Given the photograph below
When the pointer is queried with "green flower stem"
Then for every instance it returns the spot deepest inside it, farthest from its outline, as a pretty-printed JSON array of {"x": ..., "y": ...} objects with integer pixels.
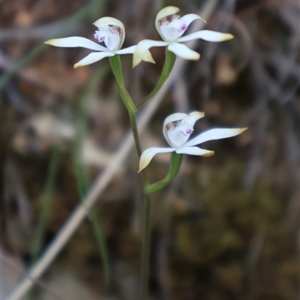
[
  {"x": 173, "y": 170},
  {"x": 149, "y": 189},
  {"x": 147, "y": 218},
  {"x": 135, "y": 134},
  {"x": 167, "y": 68},
  {"x": 116, "y": 67},
  {"x": 129, "y": 104},
  {"x": 146, "y": 248}
]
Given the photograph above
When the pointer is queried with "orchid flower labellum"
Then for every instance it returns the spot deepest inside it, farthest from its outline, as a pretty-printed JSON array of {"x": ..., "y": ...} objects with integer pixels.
[
  {"x": 177, "y": 129},
  {"x": 171, "y": 27},
  {"x": 110, "y": 33}
]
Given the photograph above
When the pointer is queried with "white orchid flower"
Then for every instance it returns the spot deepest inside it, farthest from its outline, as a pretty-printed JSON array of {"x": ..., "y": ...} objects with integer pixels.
[
  {"x": 111, "y": 32},
  {"x": 177, "y": 129},
  {"x": 171, "y": 28}
]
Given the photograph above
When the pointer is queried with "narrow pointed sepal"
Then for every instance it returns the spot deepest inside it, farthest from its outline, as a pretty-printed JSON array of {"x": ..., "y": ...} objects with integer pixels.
[
  {"x": 183, "y": 51},
  {"x": 75, "y": 41},
  {"x": 207, "y": 35},
  {"x": 189, "y": 18},
  {"x": 93, "y": 57},
  {"x": 128, "y": 50},
  {"x": 214, "y": 134},
  {"x": 142, "y": 51},
  {"x": 195, "y": 151},
  {"x": 149, "y": 153}
]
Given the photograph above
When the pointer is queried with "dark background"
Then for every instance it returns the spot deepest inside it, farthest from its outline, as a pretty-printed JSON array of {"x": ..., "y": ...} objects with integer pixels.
[{"x": 227, "y": 227}]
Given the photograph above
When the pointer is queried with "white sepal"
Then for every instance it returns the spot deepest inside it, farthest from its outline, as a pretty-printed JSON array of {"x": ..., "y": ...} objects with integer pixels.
[
  {"x": 149, "y": 153},
  {"x": 129, "y": 50},
  {"x": 75, "y": 41},
  {"x": 214, "y": 134},
  {"x": 207, "y": 35},
  {"x": 142, "y": 51},
  {"x": 92, "y": 57},
  {"x": 194, "y": 151},
  {"x": 183, "y": 51}
]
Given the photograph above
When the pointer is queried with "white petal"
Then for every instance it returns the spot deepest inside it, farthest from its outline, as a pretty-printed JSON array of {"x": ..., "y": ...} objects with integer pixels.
[
  {"x": 165, "y": 12},
  {"x": 189, "y": 18},
  {"x": 75, "y": 41},
  {"x": 174, "y": 117},
  {"x": 169, "y": 119},
  {"x": 178, "y": 127},
  {"x": 171, "y": 31},
  {"x": 178, "y": 134},
  {"x": 112, "y": 21},
  {"x": 214, "y": 134},
  {"x": 129, "y": 50},
  {"x": 113, "y": 41},
  {"x": 194, "y": 151},
  {"x": 142, "y": 51},
  {"x": 207, "y": 35},
  {"x": 183, "y": 51},
  {"x": 93, "y": 57},
  {"x": 193, "y": 117},
  {"x": 109, "y": 21},
  {"x": 148, "y": 154}
]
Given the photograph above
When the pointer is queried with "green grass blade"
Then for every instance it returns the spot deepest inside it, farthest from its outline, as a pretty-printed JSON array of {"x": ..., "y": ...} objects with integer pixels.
[
  {"x": 81, "y": 173},
  {"x": 46, "y": 203}
]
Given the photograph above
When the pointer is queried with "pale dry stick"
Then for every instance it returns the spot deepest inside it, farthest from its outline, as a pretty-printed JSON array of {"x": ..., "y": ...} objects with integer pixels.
[
  {"x": 15, "y": 266},
  {"x": 104, "y": 178}
]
